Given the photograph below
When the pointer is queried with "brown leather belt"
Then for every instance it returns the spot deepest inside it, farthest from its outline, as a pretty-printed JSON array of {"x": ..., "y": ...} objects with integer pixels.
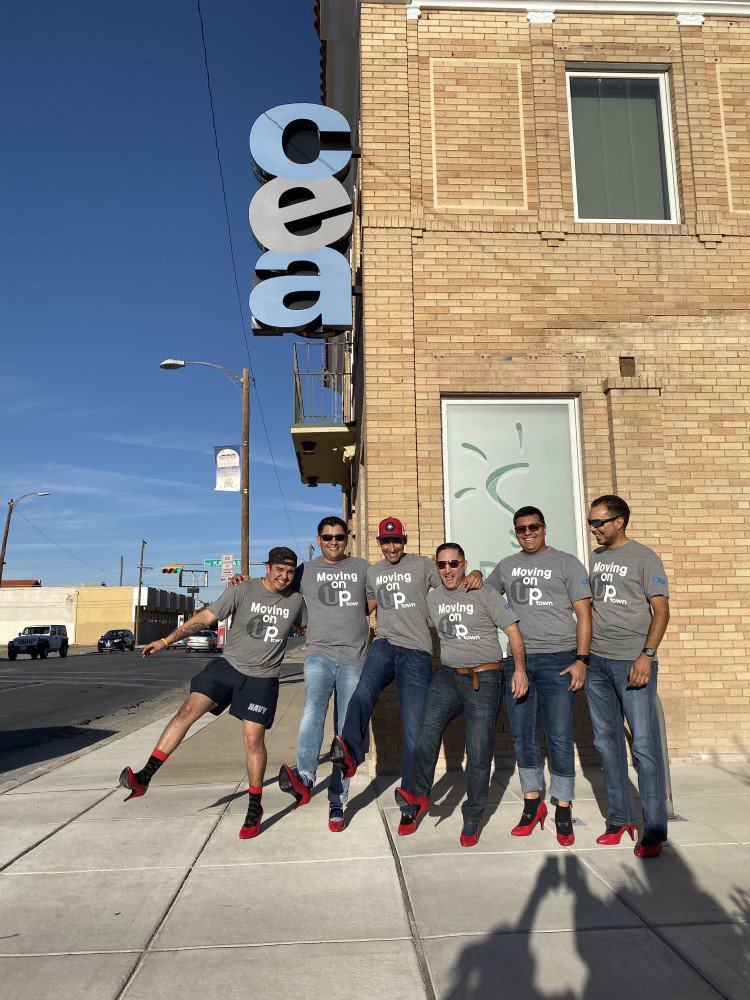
[{"x": 473, "y": 671}]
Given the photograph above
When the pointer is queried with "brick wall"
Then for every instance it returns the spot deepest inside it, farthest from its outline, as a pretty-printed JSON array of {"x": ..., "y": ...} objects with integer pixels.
[{"x": 471, "y": 254}]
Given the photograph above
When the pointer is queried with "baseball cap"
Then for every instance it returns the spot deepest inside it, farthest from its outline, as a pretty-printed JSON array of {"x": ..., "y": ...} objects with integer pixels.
[
  {"x": 282, "y": 555},
  {"x": 391, "y": 527}
]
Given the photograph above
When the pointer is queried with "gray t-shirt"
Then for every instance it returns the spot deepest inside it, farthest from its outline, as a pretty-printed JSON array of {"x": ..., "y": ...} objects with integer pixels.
[
  {"x": 467, "y": 624},
  {"x": 336, "y": 602},
  {"x": 260, "y": 627},
  {"x": 541, "y": 589},
  {"x": 622, "y": 581},
  {"x": 401, "y": 593}
]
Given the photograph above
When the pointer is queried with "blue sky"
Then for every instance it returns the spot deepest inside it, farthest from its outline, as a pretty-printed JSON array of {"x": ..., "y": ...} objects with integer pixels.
[{"x": 115, "y": 256}]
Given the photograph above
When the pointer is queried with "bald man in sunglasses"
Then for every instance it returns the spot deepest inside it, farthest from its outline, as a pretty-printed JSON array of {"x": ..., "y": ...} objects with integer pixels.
[{"x": 469, "y": 682}]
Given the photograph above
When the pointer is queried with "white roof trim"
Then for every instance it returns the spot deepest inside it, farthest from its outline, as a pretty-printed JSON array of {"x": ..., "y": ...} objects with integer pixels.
[{"x": 716, "y": 8}]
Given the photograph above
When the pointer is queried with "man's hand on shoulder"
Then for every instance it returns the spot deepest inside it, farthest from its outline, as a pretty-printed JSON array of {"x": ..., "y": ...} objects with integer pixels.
[
  {"x": 237, "y": 579},
  {"x": 473, "y": 580}
]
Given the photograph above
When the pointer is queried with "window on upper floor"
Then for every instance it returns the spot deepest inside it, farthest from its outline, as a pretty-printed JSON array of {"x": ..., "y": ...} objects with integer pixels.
[{"x": 621, "y": 147}]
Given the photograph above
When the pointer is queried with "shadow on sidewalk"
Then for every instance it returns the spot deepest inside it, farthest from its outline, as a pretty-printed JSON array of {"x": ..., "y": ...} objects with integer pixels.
[
  {"x": 594, "y": 961},
  {"x": 21, "y": 747}
]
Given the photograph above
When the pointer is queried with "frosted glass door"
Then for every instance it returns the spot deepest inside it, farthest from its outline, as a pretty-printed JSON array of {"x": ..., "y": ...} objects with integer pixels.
[{"x": 503, "y": 454}]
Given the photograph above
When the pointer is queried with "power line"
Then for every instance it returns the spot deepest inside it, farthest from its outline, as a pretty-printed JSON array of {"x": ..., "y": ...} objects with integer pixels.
[
  {"x": 101, "y": 570},
  {"x": 236, "y": 280}
]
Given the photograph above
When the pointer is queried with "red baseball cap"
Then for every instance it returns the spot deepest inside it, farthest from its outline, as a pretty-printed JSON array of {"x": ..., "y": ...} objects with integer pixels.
[{"x": 390, "y": 527}]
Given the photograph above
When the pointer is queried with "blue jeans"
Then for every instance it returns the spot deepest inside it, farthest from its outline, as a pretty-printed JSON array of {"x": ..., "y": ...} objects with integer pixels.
[
  {"x": 449, "y": 695},
  {"x": 411, "y": 669},
  {"x": 610, "y": 699},
  {"x": 324, "y": 677},
  {"x": 548, "y": 697}
]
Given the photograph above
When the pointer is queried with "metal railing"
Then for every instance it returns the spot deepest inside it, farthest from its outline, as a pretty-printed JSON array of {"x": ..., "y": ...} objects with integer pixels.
[{"x": 322, "y": 382}]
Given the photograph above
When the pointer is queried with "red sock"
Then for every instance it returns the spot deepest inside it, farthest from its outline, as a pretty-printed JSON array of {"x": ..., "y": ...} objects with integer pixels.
[
  {"x": 159, "y": 754},
  {"x": 255, "y": 790}
]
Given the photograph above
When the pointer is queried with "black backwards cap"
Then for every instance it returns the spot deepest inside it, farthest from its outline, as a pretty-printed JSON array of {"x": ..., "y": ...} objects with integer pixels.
[{"x": 282, "y": 555}]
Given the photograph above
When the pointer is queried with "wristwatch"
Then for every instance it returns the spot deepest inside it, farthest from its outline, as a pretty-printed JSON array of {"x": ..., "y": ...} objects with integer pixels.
[
  {"x": 649, "y": 652},
  {"x": 583, "y": 657}
]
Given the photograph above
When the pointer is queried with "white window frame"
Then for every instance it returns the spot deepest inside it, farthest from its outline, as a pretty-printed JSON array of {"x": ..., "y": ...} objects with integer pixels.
[
  {"x": 574, "y": 426},
  {"x": 668, "y": 134}
]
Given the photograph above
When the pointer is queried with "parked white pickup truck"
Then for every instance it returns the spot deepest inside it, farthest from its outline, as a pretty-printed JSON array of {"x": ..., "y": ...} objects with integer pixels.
[{"x": 39, "y": 641}]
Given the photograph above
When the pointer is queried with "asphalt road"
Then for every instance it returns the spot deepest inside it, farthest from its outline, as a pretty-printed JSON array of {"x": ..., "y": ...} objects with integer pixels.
[{"x": 50, "y": 709}]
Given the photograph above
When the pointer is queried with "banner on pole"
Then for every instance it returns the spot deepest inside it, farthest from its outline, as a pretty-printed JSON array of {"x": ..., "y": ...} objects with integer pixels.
[
  {"x": 228, "y": 475},
  {"x": 227, "y": 564}
]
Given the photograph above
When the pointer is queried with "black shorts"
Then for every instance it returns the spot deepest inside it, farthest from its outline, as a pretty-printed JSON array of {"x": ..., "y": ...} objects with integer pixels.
[{"x": 251, "y": 698}]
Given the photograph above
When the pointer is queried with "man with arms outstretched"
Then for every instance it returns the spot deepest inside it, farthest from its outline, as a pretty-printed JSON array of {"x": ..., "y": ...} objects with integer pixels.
[{"x": 245, "y": 678}]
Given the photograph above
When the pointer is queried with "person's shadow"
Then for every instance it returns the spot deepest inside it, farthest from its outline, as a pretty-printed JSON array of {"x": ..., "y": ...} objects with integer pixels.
[{"x": 647, "y": 932}]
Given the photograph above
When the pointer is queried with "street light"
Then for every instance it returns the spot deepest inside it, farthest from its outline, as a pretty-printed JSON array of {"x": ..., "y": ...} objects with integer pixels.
[
  {"x": 171, "y": 364},
  {"x": 12, "y": 504}
]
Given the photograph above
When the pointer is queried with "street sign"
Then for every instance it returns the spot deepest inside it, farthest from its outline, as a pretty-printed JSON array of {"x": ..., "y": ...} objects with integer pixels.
[
  {"x": 227, "y": 567},
  {"x": 215, "y": 563}
]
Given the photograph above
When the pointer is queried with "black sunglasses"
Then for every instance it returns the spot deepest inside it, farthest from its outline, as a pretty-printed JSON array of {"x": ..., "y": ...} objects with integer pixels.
[
  {"x": 453, "y": 563},
  {"x": 333, "y": 538},
  {"x": 528, "y": 527},
  {"x": 598, "y": 523}
]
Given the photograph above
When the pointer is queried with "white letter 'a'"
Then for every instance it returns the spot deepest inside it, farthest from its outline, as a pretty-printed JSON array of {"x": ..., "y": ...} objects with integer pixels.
[{"x": 307, "y": 293}]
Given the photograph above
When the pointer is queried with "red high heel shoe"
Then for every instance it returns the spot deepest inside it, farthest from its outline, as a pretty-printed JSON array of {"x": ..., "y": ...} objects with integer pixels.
[
  {"x": 613, "y": 834},
  {"x": 525, "y": 830},
  {"x": 644, "y": 850},
  {"x": 128, "y": 780},
  {"x": 409, "y": 801}
]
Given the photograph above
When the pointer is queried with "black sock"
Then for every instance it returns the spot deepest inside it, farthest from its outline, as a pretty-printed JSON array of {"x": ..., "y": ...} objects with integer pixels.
[
  {"x": 254, "y": 808},
  {"x": 153, "y": 764},
  {"x": 530, "y": 807},
  {"x": 564, "y": 820}
]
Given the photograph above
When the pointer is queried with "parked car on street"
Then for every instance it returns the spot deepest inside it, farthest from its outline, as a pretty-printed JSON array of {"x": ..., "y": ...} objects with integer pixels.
[
  {"x": 116, "y": 638},
  {"x": 39, "y": 641},
  {"x": 203, "y": 641}
]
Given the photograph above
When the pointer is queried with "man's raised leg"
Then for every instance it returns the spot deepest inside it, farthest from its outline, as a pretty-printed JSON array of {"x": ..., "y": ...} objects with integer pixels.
[
  {"x": 193, "y": 708},
  {"x": 254, "y": 735},
  {"x": 379, "y": 670}
]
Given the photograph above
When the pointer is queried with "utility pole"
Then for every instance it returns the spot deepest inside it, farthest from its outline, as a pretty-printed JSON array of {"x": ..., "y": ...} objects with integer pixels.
[
  {"x": 5, "y": 538},
  {"x": 170, "y": 364},
  {"x": 138, "y": 605},
  {"x": 121, "y": 562},
  {"x": 245, "y": 484},
  {"x": 12, "y": 504}
]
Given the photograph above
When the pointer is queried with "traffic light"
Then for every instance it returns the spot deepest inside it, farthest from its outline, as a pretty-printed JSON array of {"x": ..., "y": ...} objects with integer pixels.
[{"x": 171, "y": 569}]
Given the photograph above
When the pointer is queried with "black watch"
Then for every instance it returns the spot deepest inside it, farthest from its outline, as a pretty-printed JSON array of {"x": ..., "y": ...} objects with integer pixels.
[
  {"x": 583, "y": 657},
  {"x": 649, "y": 652}
]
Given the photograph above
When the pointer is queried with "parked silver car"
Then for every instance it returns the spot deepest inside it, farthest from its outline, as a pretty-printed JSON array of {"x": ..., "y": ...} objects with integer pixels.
[{"x": 203, "y": 641}]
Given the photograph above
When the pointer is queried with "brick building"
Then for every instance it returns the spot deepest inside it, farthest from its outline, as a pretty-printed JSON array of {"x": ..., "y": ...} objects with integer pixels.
[{"x": 553, "y": 246}]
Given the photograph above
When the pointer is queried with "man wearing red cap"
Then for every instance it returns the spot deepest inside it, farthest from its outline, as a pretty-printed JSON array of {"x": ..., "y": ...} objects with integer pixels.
[{"x": 402, "y": 651}]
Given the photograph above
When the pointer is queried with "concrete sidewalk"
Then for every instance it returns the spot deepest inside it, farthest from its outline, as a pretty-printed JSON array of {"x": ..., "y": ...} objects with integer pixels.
[{"x": 160, "y": 899}]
